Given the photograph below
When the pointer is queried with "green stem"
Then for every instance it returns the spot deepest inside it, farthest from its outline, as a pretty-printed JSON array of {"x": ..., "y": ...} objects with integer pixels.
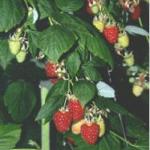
[
  {"x": 33, "y": 143},
  {"x": 123, "y": 129},
  {"x": 50, "y": 21},
  {"x": 141, "y": 25},
  {"x": 45, "y": 128},
  {"x": 26, "y": 3},
  {"x": 65, "y": 103}
]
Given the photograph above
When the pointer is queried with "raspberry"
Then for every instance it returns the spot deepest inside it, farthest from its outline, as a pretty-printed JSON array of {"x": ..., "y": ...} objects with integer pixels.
[
  {"x": 21, "y": 56},
  {"x": 99, "y": 25},
  {"x": 76, "y": 109},
  {"x": 14, "y": 46},
  {"x": 111, "y": 33},
  {"x": 51, "y": 70},
  {"x": 76, "y": 127},
  {"x": 123, "y": 40},
  {"x": 137, "y": 90},
  {"x": 102, "y": 127},
  {"x": 62, "y": 120},
  {"x": 136, "y": 13},
  {"x": 129, "y": 59},
  {"x": 90, "y": 132}
]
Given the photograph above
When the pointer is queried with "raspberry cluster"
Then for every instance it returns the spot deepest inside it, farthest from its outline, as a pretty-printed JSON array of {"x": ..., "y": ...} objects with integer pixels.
[{"x": 80, "y": 121}]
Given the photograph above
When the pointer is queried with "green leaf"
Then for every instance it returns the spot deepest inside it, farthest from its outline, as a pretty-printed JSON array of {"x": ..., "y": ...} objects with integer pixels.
[
  {"x": 97, "y": 46},
  {"x": 73, "y": 23},
  {"x": 115, "y": 123},
  {"x": 46, "y": 8},
  {"x": 113, "y": 106},
  {"x": 135, "y": 127},
  {"x": 137, "y": 130},
  {"x": 73, "y": 63},
  {"x": 115, "y": 9},
  {"x": 47, "y": 110},
  {"x": 9, "y": 136},
  {"x": 109, "y": 142},
  {"x": 2, "y": 118},
  {"x": 91, "y": 72},
  {"x": 55, "y": 41},
  {"x": 77, "y": 26},
  {"x": 69, "y": 5},
  {"x": 84, "y": 90},
  {"x": 60, "y": 88},
  {"x": 33, "y": 40},
  {"x": 5, "y": 55},
  {"x": 54, "y": 100},
  {"x": 12, "y": 13},
  {"x": 20, "y": 100}
]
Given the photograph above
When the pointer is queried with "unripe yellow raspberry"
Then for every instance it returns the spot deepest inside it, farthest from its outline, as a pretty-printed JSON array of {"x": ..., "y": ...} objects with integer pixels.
[
  {"x": 137, "y": 90},
  {"x": 21, "y": 56},
  {"x": 99, "y": 25},
  {"x": 123, "y": 40},
  {"x": 102, "y": 126},
  {"x": 129, "y": 59},
  {"x": 14, "y": 46},
  {"x": 76, "y": 127}
]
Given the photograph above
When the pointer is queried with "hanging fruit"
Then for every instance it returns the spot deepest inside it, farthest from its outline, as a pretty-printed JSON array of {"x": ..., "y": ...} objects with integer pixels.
[
  {"x": 111, "y": 33},
  {"x": 137, "y": 89},
  {"x": 51, "y": 69},
  {"x": 102, "y": 127},
  {"x": 90, "y": 132},
  {"x": 75, "y": 108},
  {"x": 128, "y": 58},
  {"x": 14, "y": 45},
  {"x": 99, "y": 22},
  {"x": 55, "y": 70},
  {"x": 123, "y": 40},
  {"x": 21, "y": 56},
  {"x": 76, "y": 127},
  {"x": 62, "y": 120},
  {"x": 136, "y": 14}
]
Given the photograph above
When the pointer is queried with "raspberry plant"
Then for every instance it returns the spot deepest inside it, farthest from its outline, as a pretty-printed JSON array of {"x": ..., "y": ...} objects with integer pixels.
[{"x": 58, "y": 64}]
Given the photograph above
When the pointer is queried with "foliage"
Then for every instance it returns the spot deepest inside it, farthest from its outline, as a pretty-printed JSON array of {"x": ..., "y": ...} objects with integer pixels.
[{"x": 56, "y": 31}]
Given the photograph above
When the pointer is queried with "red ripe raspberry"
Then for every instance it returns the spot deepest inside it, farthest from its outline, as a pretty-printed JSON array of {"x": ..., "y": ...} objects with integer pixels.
[
  {"x": 90, "y": 132},
  {"x": 62, "y": 120},
  {"x": 51, "y": 70},
  {"x": 76, "y": 109},
  {"x": 111, "y": 33},
  {"x": 136, "y": 13}
]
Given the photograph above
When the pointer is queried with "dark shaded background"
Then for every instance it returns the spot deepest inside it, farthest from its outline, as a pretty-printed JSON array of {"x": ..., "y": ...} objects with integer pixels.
[{"x": 138, "y": 106}]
